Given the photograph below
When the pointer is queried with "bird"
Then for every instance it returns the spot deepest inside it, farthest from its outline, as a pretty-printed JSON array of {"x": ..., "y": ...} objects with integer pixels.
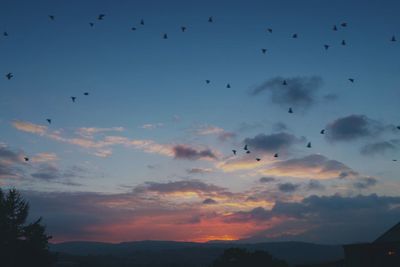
[
  {"x": 334, "y": 28},
  {"x": 101, "y": 16},
  {"x": 258, "y": 159},
  {"x": 394, "y": 159},
  {"x": 228, "y": 86},
  {"x": 398, "y": 127},
  {"x": 343, "y": 42},
  {"x": 9, "y": 75},
  {"x": 351, "y": 80},
  {"x": 48, "y": 120},
  {"x": 208, "y": 81},
  {"x": 276, "y": 155},
  {"x": 26, "y": 158},
  {"x": 51, "y": 17},
  {"x": 393, "y": 39},
  {"x": 309, "y": 145},
  {"x": 133, "y": 28},
  {"x": 5, "y": 34},
  {"x": 86, "y": 93},
  {"x": 326, "y": 47},
  {"x": 343, "y": 24},
  {"x": 165, "y": 36},
  {"x": 269, "y": 30},
  {"x": 248, "y": 151},
  {"x": 290, "y": 110},
  {"x": 284, "y": 82},
  {"x": 142, "y": 22},
  {"x": 73, "y": 98},
  {"x": 91, "y": 24},
  {"x": 294, "y": 36},
  {"x": 263, "y": 50},
  {"x": 210, "y": 19},
  {"x": 245, "y": 147},
  {"x": 322, "y": 131},
  {"x": 183, "y": 28},
  {"x": 234, "y": 151}
]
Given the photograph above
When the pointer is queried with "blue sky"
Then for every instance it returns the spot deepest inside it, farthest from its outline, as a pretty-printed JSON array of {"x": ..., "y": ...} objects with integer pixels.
[{"x": 148, "y": 99}]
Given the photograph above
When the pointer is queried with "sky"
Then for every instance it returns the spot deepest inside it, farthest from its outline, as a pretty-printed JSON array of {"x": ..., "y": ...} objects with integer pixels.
[{"x": 147, "y": 154}]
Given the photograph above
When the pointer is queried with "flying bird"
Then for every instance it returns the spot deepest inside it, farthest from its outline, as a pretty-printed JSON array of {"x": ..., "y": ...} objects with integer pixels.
[
  {"x": 208, "y": 81},
  {"x": 284, "y": 82},
  {"x": 133, "y": 28},
  {"x": 394, "y": 159},
  {"x": 141, "y": 22},
  {"x": 86, "y": 93},
  {"x": 210, "y": 19},
  {"x": 248, "y": 151},
  {"x": 165, "y": 36},
  {"x": 351, "y": 80},
  {"x": 276, "y": 155},
  {"x": 26, "y": 158},
  {"x": 398, "y": 127},
  {"x": 290, "y": 110},
  {"x": 322, "y": 131},
  {"x": 269, "y": 30},
  {"x": 91, "y": 24},
  {"x": 51, "y": 17},
  {"x": 326, "y": 47},
  {"x": 73, "y": 98},
  {"x": 343, "y": 42},
  {"x": 5, "y": 34},
  {"x": 228, "y": 86},
  {"x": 48, "y": 120},
  {"x": 334, "y": 28},
  {"x": 294, "y": 36},
  {"x": 393, "y": 39},
  {"x": 344, "y": 24},
  {"x": 9, "y": 76},
  {"x": 101, "y": 16},
  {"x": 234, "y": 151},
  {"x": 263, "y": 50},
  {"x": 309, "y": 145},
  {"x": 258, "y": 159},
  {"x": 183, "y": 28},
  {"x": 245, "y": 147}
]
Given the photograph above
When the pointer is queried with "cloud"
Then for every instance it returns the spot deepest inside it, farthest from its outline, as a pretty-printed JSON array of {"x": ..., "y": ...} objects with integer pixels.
[
  {"x": 9, "y": 160},
  {"x": 44, "y": 157},
  {"x": 30, "y": 127},
  {"x": 353, "y": 127},
  {"x": 52, "y": 173},
  {"x": 46, "y": 172},
  {"x": 150, "y": 126},
  {"x": 240, "y": 163},
  {"x": 222, "y": 134},
  {"x": 288, "y": 187},
  {"x": 312, "y": 166},
  {"x": 209, "y": 201},
  {"x": 198, "y": 171},
  {"x": 267, "y": 179},
  {"x": 379, "y": 147},
  {"x": 91, "y": 131},
  {"x": 272, "y": 143},
  {"x": 190, "y": 153},
  {"x": 300, "y": 92},
  {"x": 365, "y": 183},
  {"x": 315, "y": 185}
]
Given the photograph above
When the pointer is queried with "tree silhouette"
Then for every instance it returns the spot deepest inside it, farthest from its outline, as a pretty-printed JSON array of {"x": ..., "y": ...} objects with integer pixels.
[
  {"x": 237, "y": 257},
  {"x": 21, "y": 244}
]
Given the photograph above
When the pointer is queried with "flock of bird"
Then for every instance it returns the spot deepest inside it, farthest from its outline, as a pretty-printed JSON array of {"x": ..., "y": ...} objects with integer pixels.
[{"x": 101, "y": 17}]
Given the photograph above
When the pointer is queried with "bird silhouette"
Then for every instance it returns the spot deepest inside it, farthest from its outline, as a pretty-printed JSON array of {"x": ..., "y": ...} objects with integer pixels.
[
  {"x": 86, "y": 93},
  {"x": 294, "y": 36},
  {"x": 208, "y": 81},
  {"x": 48, "y": 120},
  {"x": 344, "y": 24},
  {"x": 393, "y": 39},
  {"x": 73, "y": 98},
  {"x": 183, "y": 28},
  {"x": 394, "y": 159},
  {"x": 334, "y": 28},
  {"x": 228, "y": 86},
  {"x": 5, "y": 34},
  {"x": 142, "y": 22},
  {"x": 290, "y": 110},
  {"x": 276, "y": 155},
  {"x": 326, "y": 47},
  {"x": 263, "y": 50},
  {"x": 269, "y": 30},
  {"x": 133, "y": 28},
  {"x": 343, "y": 42},
  {"x": 309, "y": 145},
  {"x": 234, "y": 151},
  {"x": 91, "y": 24},
  {"x": 284, "y": 82},
  {"x": 101, "y": 16},
  {"x": 398, "y": 127},
  {"x": 248, "y": 152},
  {"x": 351, "y": 80},
  {"x": 322, "y": 131},
  {"x": 245, "y": 147},
  {"x": 258, "y": 159},
  {"x": 9, "y": 75},
  {"x": 210, "y": 19},
  {"x": 26, "y": 158},
  {"x": 51, "y": 17},
  {"x": 165, "y": 36}
]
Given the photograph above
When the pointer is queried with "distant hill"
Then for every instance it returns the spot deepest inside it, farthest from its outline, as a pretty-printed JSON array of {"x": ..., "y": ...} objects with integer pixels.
[{"x": 169, "y": 253}]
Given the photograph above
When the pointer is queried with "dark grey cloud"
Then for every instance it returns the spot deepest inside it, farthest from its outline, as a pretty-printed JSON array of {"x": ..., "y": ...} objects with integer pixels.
[
  {"x": 186, "y": 152},
  {"x": 225, "y": 136},
  {"x": 267, "y": 179},
  {"x": 365, "y": 183},
  {"x": 288, "y": 187},
  {"x": 279, "y": 126},
  {"x": 379, "y": 147},
  {"x": 209, "y": 201},
  {"x": 272, "y": 143},
  {"x": 330, "y": 97},
  {"x": 300, "y": 92},
  {"x": 315, "y": 185},
  {"x": 353, "y": 127},
  {"x": 198, "y": 171},
  {"x": 326, "y": 219},
  {"x": 9, "y": 159},
  {"x": 47, "y": 172}
]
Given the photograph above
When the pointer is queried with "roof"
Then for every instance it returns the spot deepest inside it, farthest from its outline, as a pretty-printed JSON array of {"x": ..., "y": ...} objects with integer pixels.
[{"x": 390, "y": 236}]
